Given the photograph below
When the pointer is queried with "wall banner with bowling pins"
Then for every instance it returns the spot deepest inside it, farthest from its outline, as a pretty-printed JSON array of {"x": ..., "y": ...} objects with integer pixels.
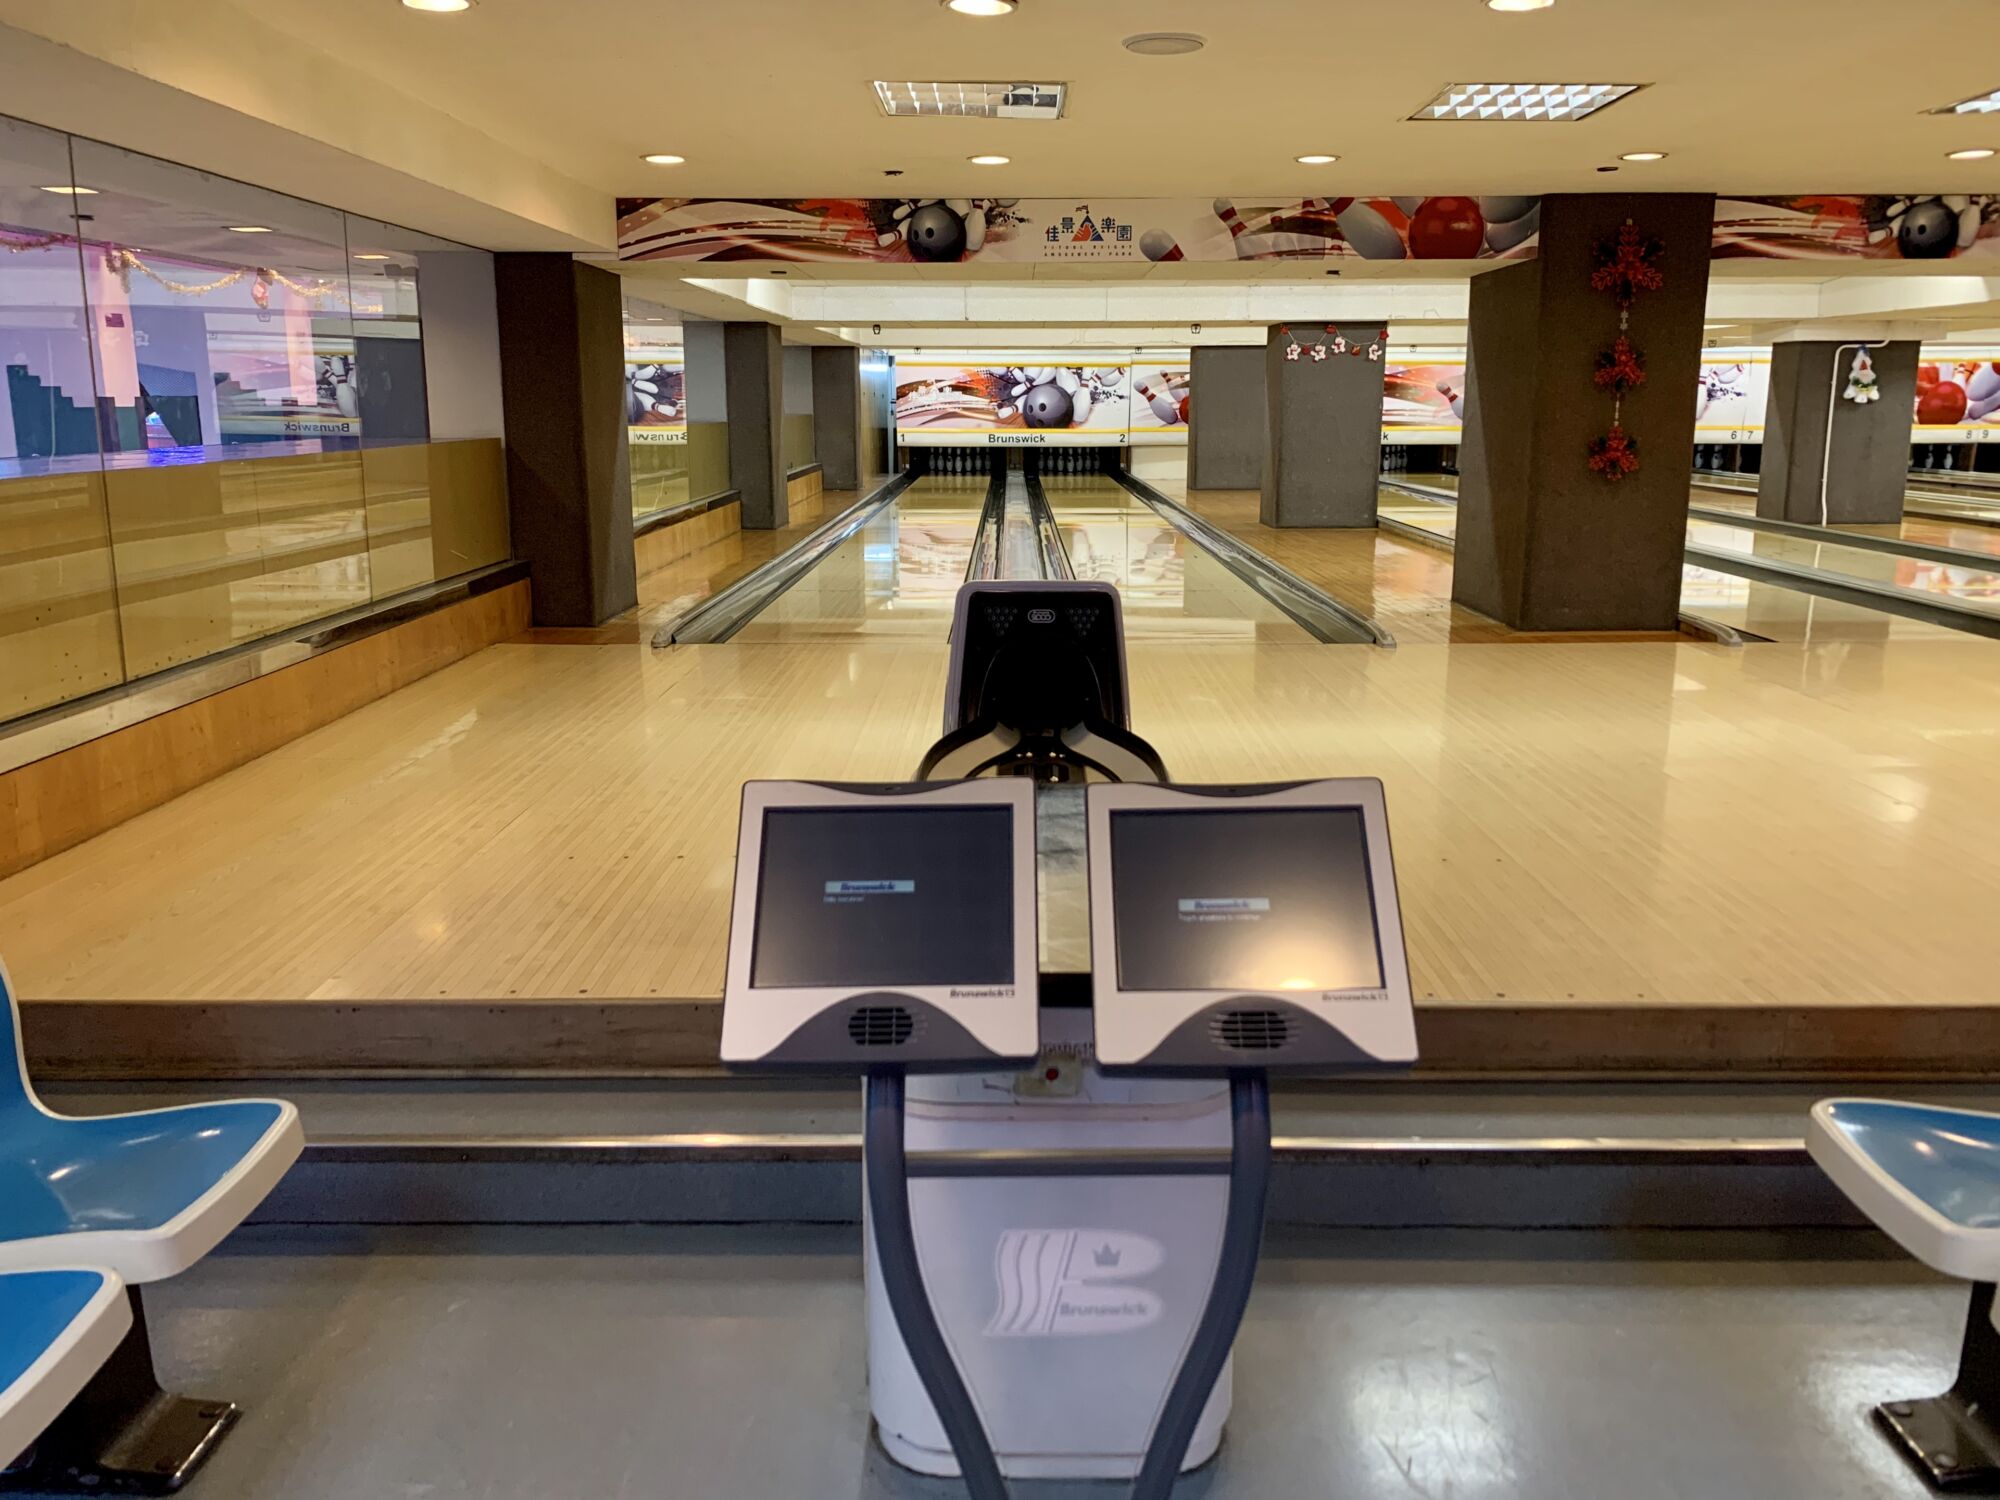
[
  {"x": 1958, "y": 395},
  {"x": 1159, "y": 407},
  {"x": 1039, "y": 398},
  {"x": 891, "y": 231},
  {"x": 655, "y": 386}
]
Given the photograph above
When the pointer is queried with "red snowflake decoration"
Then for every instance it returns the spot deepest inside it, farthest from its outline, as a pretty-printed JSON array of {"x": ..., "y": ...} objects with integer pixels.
[
  {"x": 1614, "y": 455},
  {"x": 1625, "y": 266},
  {"x": 1621, "y": 368}
]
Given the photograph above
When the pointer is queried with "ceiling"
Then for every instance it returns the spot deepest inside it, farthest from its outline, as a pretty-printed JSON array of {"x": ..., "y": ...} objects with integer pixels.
[
  {"x": 516, "y": 124},
  {"x": 771, "y": 98}
]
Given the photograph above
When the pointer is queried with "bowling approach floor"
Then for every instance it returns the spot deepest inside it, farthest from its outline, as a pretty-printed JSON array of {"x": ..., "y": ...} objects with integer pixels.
[
  {"x": 1377, "y": 1365},
  {"x": 1652, "y": 828}
]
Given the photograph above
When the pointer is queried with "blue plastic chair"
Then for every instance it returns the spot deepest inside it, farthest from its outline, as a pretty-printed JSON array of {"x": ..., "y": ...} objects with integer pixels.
[
  {"x": 1930, "y": 1179},
  {"x": 144, "y": 1195},
  {"x": 57, "y": 1328}
]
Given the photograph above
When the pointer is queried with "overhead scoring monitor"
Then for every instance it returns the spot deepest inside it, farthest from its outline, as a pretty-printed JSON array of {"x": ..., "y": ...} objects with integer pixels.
[
  {"x": 883, "y": 925},
  {"x": 1251, "y": 926}
]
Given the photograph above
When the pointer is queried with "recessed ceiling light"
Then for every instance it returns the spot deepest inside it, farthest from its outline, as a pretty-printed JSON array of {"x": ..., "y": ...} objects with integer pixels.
[
  {"x": 1519, "y": 4},
  {"x": 1164, "y": 43},
  {"x": 981, "y": 7},
  {"x": 70, "y": 192},
  {"x": 439, "y": 7},
  {"x": 1978, "y": 104},
  {"x": 1522, "y": 102},
  {"x": 989, "y": 161},
  {"x": 1970, "y": 153},
  {"x": 663, "y": 159},
  {"x": 1316, "y": 159},
  {"x": 249, "y": 229},
  {"x": 370, "y": 255},
  {"x": 1644, "y": 156}
]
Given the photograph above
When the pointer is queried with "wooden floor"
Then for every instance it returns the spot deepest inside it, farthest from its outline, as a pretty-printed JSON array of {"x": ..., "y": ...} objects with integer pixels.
[{"x": 1650, "y": 824}]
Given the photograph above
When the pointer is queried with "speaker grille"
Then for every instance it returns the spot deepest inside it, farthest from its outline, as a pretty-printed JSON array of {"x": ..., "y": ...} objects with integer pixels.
[
  {"x": 1251, "y": 1030},
  {"x": 880, "y": 1026}
]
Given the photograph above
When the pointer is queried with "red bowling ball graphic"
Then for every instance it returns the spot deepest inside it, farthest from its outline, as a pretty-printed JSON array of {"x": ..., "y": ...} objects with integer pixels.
[
  {"x": 1942, "y": 404},
  {"x": 1447, "y": 229}
]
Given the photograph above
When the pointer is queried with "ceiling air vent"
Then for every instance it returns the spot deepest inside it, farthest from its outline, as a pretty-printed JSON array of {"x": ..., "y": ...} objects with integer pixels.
[
  {"x": 973, "y": 101},
  {"x": 1523, "y": 101}
]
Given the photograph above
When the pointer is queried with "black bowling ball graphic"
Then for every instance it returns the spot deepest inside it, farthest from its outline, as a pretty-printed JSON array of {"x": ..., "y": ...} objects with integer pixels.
[
  {"x": 1929, "y": 231},
  {"x": 935, "y": 232},
  {"x": 1046, "y": 406}
]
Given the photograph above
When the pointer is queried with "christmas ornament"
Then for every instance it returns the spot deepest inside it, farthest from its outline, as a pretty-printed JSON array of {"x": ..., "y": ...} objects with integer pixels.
[
  {"x": 1614, "y": 455},
  {"x": 1861, "y": 380},
  {"x": 260, "y": 291},
  {"x": 1621, "y": 368},
  {"x": 1318, "y": 352},
  {"x": 1293, "y": 349},
  {"x": 1381, "y": 343},
  {"x": 1624, "y": 267}
]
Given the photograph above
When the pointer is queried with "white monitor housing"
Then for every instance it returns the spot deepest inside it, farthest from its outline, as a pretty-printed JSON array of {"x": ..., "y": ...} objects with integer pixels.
[
  {"x": 1246, "y": 927},
  {"x": 882, "y": 925}
]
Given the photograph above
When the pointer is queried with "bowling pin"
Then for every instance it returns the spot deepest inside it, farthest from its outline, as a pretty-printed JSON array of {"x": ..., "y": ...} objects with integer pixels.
[
  {"x": 1158, "y": 245},
  {"x": 1367, "y": 233},
  {"x": 1164, "y": 407},
  {"x": 1262, "y": 244}
]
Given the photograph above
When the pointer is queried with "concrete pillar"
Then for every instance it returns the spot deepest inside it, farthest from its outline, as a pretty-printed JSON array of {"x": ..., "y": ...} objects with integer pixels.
[
  {"x": 1863, "y": 467},
  {"x": 1323, "y": 417},
  {"x": 1544, "y": 542},
  {"x": 562, "y": 389},
  {"x": 756, "y": 384},
  {"x": 1227, "y": 422},
  {"x": 836, "y": 382}
]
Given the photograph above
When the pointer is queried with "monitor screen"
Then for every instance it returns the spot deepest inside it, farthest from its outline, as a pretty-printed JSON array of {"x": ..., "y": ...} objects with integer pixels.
[
  {"x": 897, "y": 895},
  {"x": 1243, "y": 899}
]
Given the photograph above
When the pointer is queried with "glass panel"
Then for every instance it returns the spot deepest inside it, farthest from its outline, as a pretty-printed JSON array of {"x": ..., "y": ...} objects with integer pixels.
[
  {"x": 230, "y": 389},
  {"x": 656, "y": 423},
  {"x": 707, "y": 391},
  {"x": 800, "y": 443},
  {"x": 383, "y": 269},
  {"x": 58, "y": 599}
]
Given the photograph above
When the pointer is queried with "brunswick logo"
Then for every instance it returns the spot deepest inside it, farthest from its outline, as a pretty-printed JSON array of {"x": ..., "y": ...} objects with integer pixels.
[{"x": 1068, "y": 1283}]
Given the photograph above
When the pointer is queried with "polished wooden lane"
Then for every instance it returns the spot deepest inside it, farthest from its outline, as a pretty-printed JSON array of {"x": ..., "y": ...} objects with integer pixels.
[
  {"x": 1402, "y": 585},
  {"x": 1966, "y": 536},
  {"x": 1632, "y": 824},
  {"x": 1767, "y": 610},
  {"x": 669, "y": 591}
]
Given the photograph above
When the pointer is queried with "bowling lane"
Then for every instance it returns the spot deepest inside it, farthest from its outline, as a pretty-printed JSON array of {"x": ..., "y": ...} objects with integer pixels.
[
  {"x": 894, "y": 579},
  {"x": 1764, "y": 609},
  {"x": 1966, "y": 535},
  {"x": 1968, "y": 588},
  {"x": 1170, "y": 585}
]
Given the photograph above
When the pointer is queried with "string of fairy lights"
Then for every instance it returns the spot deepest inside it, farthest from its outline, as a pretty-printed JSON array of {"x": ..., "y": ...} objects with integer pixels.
[{"x": 122, "y": 262}]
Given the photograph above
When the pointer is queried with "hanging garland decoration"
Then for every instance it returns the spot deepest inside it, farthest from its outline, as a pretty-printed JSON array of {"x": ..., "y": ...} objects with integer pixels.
[
  {"x": 1324, "y": 346},
  {"x": 123, "y": 262},
  {"x": 1626, "y": 266},
  {"x": 35, "y": 242}
]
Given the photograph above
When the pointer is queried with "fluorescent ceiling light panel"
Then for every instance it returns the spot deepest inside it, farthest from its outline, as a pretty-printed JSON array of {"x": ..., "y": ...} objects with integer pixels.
[
  {"x": 973, "y": 101},
  {"x": 1978, "y": 104},
  {"x": 1523, "y": 101}
]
